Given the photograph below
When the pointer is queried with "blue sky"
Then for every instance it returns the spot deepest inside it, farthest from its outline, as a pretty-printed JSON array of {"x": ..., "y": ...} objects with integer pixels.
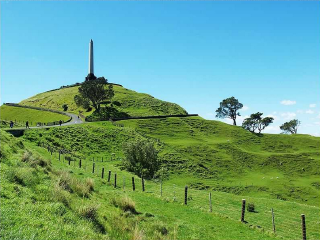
[{"x": 266, "y": 54}]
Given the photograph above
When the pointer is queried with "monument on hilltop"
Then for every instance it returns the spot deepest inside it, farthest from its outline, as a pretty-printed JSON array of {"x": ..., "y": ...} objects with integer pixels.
[{"x": 91, "y": 75}]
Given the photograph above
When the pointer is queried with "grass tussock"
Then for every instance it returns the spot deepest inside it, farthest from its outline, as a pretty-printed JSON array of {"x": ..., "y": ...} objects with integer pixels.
[
  {"x": 61, "y": 195},
  {"x": 35, "y": 161},
  {"x": 126, "y": 204},
  {"x": 75, "y": 185},
  {"x": 138, "y": 234},
  {"x": 90, "y": 213}
]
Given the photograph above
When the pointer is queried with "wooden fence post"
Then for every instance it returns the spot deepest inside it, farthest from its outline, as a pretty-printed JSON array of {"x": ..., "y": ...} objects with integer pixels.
[
  {"x": 109, "y": 176},
  {"x": 185, "y": 195},
  {"x": 102, "y": 174},
  {"x": 93, "y": 165},
  {"x": 210, "y": 201},
  {"x": 243, "y": 209},
  {"x": 303, "y": 225},
  {"x": 161, "y": 187},
  {"x": 273, "y": 224},
  {"x": 142, "y": 182},
  {"x": 59, "y": 154},
  {"x": 133, "y": 186},
  {"x": 115, "y": 180},
  {"x": 101, "y": 159},
  {"x": 80, "y": 162},
  {"x": 69, "y": 160}
]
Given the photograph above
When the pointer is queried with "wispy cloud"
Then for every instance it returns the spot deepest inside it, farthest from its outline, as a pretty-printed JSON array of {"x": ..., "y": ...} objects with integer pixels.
[
  {"x": 288, "y": 115},
  {"x": 309, "y": 111},
  {"x": 288, "y": 102},
  {"x": 244, "y": 108},
  {"x": 312, "y": 105}
]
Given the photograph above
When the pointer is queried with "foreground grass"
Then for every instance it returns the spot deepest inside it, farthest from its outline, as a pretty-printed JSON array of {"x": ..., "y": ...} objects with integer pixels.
[
  {"x": 21, "y": 115},
  {"x": 42, "y": 198}
]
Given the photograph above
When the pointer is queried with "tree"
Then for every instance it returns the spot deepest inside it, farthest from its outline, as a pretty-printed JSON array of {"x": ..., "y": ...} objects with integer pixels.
[
  {"x": 141, "y": 157},
  {"x": 65, "y": 107},
  {"x": 93, "y": 92},
  {"x": 256, "y": 122},
  {"x": 83, "y": 102},
  {"x": 229, "y": 109},
  {"x": 291, "y": 126}
]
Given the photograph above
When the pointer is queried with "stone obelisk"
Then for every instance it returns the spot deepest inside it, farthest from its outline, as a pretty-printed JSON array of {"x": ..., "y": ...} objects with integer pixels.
[{"x": 91, "y": 71}]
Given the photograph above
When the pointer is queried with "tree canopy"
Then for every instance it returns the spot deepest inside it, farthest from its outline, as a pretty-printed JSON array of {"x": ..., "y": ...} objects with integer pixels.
[
  {"x": 256, "y": 122},
  {"x": 291, "y": 126},
  {"x": 229, "y": 109},
  {"x": 93, "y": 92},
  {"x": 141, "y": 157}
]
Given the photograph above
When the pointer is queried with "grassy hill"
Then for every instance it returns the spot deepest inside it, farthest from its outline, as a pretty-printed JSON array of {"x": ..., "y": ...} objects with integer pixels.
[
  {"x": 21, "y": 115},
  {"x": 62, "y": 201},
  {"x": 208, "y": 154},
  {"x": 132, "y": 103}
]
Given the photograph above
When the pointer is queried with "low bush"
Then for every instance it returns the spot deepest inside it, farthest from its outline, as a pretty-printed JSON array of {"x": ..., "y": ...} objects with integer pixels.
[{"x": 250, "y": 207}]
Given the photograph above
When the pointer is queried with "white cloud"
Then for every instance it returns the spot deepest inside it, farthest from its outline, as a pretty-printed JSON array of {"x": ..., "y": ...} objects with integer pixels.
[
  {"x": 288, "y": 115},
  {"x": 288, "y": 102},
  {"x": 309, "y": 111},
  {"x": 300, "y": 111},
  {"x": 317, "y": 123},
  {"x": 313, "y": 105},
  {"x": 272, "y": 129},
  {"x": 244, "y": 108}
]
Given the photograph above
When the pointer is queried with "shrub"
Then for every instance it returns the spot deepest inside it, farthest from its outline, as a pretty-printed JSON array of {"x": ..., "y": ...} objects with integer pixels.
[
  {"x": 141, "y": 157},
  {"x": 250, "y": 207},
  {"x": 65, "y": 107}
]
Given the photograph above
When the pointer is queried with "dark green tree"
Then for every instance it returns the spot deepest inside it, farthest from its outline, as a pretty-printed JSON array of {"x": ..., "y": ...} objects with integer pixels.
[
  {"x": 141, "y": 157},
  {"x": 256, "y": 122},
  {"x": 94, "y": 91},
  {"x": 291, "y": 126},
  {"x": 65, "y": 107},
  {"x": 229, "y": 109}
]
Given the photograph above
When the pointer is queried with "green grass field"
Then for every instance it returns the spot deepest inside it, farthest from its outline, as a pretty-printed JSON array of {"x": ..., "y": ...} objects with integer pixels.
[
  {"x": 44, "y": 198},
  {"x": 132, "y": 103},
  {"x": 208, "y": 155},
  {"x": 55, "y": 209},
  {"x": 21, "y": 115}
]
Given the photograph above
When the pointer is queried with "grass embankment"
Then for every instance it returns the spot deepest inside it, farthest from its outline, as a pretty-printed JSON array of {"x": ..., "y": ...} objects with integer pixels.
[
  {"x": 42, "y": 198},
  {"x": 20, "y": 115},
  {"x": 131, "y": 102},
  {"x": 208, "y": 155}
]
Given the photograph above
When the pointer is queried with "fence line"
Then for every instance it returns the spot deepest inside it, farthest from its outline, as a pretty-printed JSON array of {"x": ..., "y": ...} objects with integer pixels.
[{"x": 273, "y": 220}]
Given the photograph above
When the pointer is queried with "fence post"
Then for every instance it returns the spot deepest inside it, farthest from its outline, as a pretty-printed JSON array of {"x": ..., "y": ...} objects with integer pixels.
[
  {"x": 133, "y": 186},
  {"x": 101, "y": 159},
  {"x": 59, "y": 154},
  {"x": 69, "y": 160},
  {"x": 109, "y": 176},
  {"x": 210, "y": 201},
  {"x": 273, "y": 224},
  {"x": 185, "y": 195},
  {"x": 102, "y": 174},
  {"x": 115, "y": 180},
  {"x": 80, "y": 163},
  {"x": 93, "y": 167},
  {"x": 303, "y": 225},
  {"x": 142, "y": 182},
  {"x": 161, "y": 187},
  {"x": 243, "y": 209}
]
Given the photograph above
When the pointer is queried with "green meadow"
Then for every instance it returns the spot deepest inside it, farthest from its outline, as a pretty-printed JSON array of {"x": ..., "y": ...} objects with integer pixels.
[
  {"x": 21, "y": 115},
  {"x": 43, "y": 197}
]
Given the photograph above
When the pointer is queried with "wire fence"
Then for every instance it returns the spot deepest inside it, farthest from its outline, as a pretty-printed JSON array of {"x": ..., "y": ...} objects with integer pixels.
[{"x": 277, "y": 218}]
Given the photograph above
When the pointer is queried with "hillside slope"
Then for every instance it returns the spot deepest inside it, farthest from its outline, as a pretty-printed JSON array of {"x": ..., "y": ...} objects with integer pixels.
[
  {"x": 207, "y": 154},
  {"x": 131, "y": 102},
  {"x": 44, "y": 198}
]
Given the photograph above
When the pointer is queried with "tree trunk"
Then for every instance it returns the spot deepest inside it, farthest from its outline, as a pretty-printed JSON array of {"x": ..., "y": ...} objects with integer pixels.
[{"x": 234, "y": 122}]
